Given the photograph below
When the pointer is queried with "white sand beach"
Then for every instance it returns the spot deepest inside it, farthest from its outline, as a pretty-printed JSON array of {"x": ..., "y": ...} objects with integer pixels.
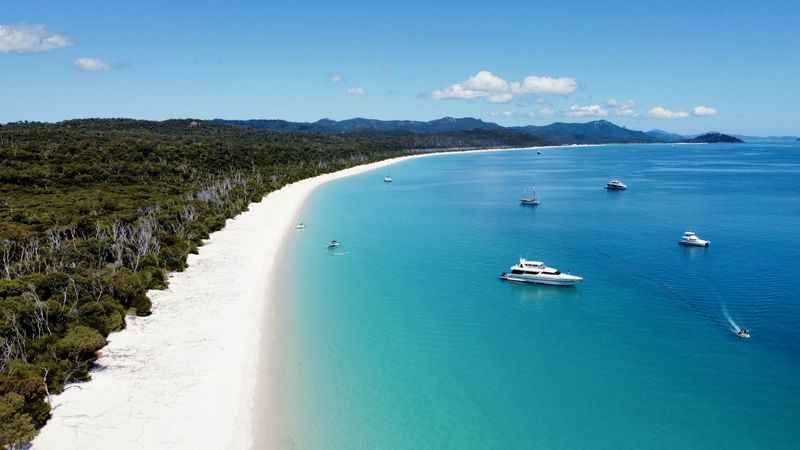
[{"x": 185, "y": 377}]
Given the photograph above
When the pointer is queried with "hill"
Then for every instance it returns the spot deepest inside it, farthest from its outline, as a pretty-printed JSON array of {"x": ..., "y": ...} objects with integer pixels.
[
  {"x": 715, "y": 138},
  {"x": 596, "y": 132}
]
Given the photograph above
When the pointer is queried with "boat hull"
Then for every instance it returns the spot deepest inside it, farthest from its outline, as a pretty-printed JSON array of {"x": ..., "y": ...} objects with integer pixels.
[
  {"x": 616, "y": 188},
  {"x": 550, "y": 281},
  {"x": 695, "y": 244}
]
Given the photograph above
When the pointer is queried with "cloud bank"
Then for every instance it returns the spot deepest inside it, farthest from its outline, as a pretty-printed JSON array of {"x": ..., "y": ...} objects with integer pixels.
[
  {"x": 704, "y": 111},
  {"x": 495, "y": 89},
  {"x": 30, "y": 39},
  {"x": 92, "y": 65},
  {"x": 586, "y": 111},
  {"x": 623, "y": 108},
  {"x": 659, "y": 112}
]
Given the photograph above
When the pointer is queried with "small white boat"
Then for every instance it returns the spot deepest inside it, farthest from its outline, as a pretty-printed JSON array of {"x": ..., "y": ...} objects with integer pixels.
[
  {"x": 616, "y": 185},
  {"x": 744, "y": 333},
  {"x": 300, "y": 226},
  {"x": 691, "y": 239},
  {"x": 536, "y": 272},
  {"x": 387, "y": 179},
  {"x": 531, "y": 200},
  {"x": 333, "y": 244}
]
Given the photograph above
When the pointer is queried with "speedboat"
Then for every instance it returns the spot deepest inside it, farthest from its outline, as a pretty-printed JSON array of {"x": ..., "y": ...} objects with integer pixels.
[
  {"x": 531, "y": 200},
  {"x": 300, "y": 226},
  {"x": 744, "y": 333},
  {"x": 536, "y": 272},
  {"x": 691, "y": 239},
  {"x": 387, "y": 179},
  {"x": 538, "y": 152},
  {"x": 333, "y": 244},
  {"x": 616, "y": 185}
]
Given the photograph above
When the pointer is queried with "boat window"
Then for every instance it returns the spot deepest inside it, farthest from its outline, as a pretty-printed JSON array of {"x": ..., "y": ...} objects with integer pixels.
[{"x": 516, "y": 271}]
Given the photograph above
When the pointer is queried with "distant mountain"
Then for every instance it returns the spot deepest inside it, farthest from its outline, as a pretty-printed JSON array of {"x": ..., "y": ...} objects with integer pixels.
[
  {"x": 715, "y": 138},
  {"x": 596, "y": 132},
  {"x": 443, "y": 125},
  {"x": 665, "y": 136},
  {"x": 558, "y": 133}
]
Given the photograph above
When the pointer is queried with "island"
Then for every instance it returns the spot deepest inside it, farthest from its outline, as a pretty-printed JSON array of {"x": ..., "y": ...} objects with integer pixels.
[{"x": 715, "y": 138}]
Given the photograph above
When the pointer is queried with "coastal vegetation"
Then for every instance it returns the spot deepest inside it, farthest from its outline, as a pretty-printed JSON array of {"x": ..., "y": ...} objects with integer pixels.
[{"x": 93, "y": 213}]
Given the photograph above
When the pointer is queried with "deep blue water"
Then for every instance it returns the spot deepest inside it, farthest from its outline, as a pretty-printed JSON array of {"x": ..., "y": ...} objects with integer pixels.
[{"x": 405, "y": 338}]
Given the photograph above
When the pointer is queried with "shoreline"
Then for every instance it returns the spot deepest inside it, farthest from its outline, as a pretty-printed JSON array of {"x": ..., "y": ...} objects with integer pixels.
[{"x": 154, "y": 381}]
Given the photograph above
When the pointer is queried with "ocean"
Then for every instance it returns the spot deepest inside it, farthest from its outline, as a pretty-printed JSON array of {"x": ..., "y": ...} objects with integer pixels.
[{"x": 405, "y": 338}]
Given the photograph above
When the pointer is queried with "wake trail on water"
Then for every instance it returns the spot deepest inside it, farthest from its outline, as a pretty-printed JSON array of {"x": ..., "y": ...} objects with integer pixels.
[{"x": 734, "y": 326}]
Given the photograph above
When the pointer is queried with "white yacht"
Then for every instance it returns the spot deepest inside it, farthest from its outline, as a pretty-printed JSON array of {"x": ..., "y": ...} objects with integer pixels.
[
  {"x": 536, "y": 272},
  {"x": 531, "y": 200},
  {"x": 300, "y": 226},
  {"x": 387, "y": 179},
  {"x": 691, "y": 239},
  {"x": 333, "y": 244},
  {"x": 616, "y": 185}
]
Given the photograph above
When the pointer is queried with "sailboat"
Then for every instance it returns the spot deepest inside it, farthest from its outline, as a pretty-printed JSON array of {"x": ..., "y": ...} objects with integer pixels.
[{"x": 531, "y": 200}]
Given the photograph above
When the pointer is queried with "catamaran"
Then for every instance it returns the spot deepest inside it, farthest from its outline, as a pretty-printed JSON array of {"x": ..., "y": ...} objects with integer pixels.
[{"x": 536, "y": 272}]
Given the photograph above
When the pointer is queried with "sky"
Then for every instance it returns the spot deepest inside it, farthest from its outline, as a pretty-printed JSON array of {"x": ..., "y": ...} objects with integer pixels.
[{"x": 689, "y": 67}]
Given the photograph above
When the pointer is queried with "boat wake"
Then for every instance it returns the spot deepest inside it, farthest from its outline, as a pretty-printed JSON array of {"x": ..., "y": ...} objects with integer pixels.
[{"x": 735, "y": 328}]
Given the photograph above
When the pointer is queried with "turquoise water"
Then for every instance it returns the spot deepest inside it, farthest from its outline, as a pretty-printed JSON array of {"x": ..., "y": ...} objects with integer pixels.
[{"x": 404, "y": 338}]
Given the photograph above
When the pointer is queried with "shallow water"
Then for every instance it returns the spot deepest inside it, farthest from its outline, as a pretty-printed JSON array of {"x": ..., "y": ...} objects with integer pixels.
[{"x": 404, "y": 338}]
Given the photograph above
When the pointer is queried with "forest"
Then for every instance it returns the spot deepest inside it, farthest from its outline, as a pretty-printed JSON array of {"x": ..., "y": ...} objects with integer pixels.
[{"x": 95, "y": 212}]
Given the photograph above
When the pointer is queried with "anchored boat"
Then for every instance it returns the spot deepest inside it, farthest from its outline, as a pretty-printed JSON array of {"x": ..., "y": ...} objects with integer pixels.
[
  {"x": 691, "y": 239},
  {"x": 530, "y": 200},
  {"x": 537, "y": 272},
  {"x": 616, "y": 185}
]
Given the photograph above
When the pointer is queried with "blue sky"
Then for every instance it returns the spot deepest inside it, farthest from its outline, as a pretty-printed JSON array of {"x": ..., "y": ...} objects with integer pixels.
[{"x": 732, "y": 66}]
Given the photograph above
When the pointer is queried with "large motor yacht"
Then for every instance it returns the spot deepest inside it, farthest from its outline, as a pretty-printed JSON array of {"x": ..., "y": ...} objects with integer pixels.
[
  {"x": 691, "y": 239},
  {"x": 536, "y": 272},
  {"x": 616, "y": 185}
]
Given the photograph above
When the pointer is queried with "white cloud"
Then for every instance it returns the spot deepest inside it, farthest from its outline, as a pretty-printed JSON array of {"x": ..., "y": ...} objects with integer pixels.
[
  {"x": 336, "y": 77},
  {"x": 485, "y": 84},
  {"x": 544, "y": 85},
  {"x": 587, "y": 111},
  {"x": 92, "y": 65},
  {"x": 660, "y": 112},
  {"x": 30, "y": 39},
  {"x": 486, "y": 81},
  {"x": 501, "y": 114},
  {"x": 623, "y": 108},
  {"x": 356, "y": 92},
  {"x": 704, "y": 111}
]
